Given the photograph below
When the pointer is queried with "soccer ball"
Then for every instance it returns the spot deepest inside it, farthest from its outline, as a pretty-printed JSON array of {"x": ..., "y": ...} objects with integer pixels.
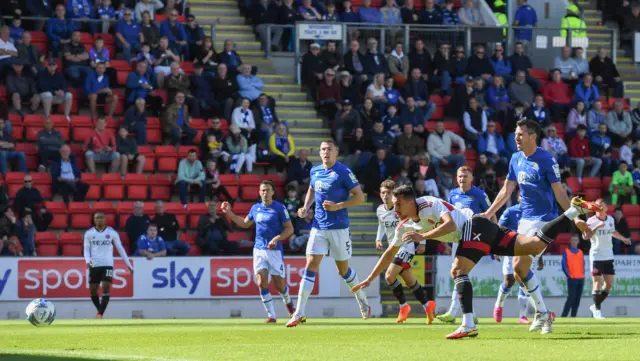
[{"x": 41, "y": 312}]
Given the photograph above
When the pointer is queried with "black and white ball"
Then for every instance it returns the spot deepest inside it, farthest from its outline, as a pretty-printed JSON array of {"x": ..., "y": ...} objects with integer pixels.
[{"x": 41, "y": 312}]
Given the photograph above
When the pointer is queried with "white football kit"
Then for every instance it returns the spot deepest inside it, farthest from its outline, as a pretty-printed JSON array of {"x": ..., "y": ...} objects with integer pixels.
[
  {"x": 98, "y": 247},
  {"x": 387, "y": 222},
  {"x": 602, "y": 240}
]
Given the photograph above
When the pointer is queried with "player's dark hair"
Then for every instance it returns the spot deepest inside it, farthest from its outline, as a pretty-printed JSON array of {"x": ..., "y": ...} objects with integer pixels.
[
  {"x": 406, "y": 192},
  {"x": 330, "y": 141},
  {"x": 532, "y": 126},
  {"x": 389, "y": 184},
  {"x": 268, "y": 183},
  {"x": 623, "y": 162}
]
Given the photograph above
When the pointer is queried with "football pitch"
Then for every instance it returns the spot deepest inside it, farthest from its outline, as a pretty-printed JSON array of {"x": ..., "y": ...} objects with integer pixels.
[{"x": 318, "y": 339}]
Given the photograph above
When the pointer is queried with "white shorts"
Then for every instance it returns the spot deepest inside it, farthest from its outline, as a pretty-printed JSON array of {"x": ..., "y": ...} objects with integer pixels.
[
  {"x": 507, "y": 265},
  {"x": 330, "y": 242},
  {"x": 529, "y": 227},
  {"x": 269, "y": 259},
  {"x": 166, "y": 70}
]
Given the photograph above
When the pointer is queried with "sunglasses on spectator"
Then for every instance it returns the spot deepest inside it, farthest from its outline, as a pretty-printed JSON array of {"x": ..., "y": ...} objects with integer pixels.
[
  {"x": 479, "y": 52},
  {"x": 28, "y": 181},
  {"x": 330, "y": 74}
]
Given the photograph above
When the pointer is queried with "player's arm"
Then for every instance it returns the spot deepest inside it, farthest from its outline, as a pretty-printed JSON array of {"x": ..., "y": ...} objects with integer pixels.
[
  {"x": 502, "y": 197},
  {"x": 383, "y": 264},
  {"x": 379, "y": 235},
  {"x": 287, "y": 231},
  {"x": 121, "y": 251},
  {"x": 447, "y": 226},
  {"x": 87, "y": 251},
  {"x": 309, "y": 199},
  {"x": 624, "y": 239},
  {"x": 356, "y": 199},
  {"x": 239, "y": 221}
]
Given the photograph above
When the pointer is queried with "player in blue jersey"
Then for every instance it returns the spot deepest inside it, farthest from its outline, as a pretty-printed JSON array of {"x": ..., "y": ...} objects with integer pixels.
[
  {"x": 333, "y": 188},
  {"x": 273, "y": 226},
  {"x": 465, "y": 196},
  {"x": 510, "y": 219},
  {"x": 537, "y": 174}
]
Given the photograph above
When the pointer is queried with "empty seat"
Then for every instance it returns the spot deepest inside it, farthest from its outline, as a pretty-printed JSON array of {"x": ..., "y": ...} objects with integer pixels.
[
  {"x": 95, "y": 185},
  {"x": 150, "y": 157},
  {"x": 250, "y": 193},
  {"x": 249, "y": 179},
  {"x": 242, "y": 208},
  {"x": 113, "y": 186},
  {"x": 167, "y": 158},
  {"x": 574, "y": 184},
  {"x": 160, "y": 187},
  {"x": 46, "y": 244},
  {"x": 81, "y": 215},
  {"x": 60, "y": 214},
  {"x": 631, "y": 210},
  {"x": 123, "y": 210},
  {"x": 591, "y": 182},
  {"x": 137, "y": 186},
  {"x": 71, "y": 244}
]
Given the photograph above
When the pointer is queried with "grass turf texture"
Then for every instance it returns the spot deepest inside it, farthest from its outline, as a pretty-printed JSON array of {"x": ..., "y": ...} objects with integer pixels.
[{"x": 318, "y": 339}]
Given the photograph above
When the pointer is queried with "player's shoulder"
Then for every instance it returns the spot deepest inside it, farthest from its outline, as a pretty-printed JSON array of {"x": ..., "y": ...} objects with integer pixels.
[
  {"x": 342, "y": 168},
  {"x": 278, "y": 206},
  {"x": 544, "y": 155},
  {"x": 427, "y": 202},
  {"x": 111, "y": 230},
  {"x": 454, "y": 191},
  {"x": 316, "y": 168},
  {"x": 477, "y": 191},
  {"x": 90, "y": 230}
]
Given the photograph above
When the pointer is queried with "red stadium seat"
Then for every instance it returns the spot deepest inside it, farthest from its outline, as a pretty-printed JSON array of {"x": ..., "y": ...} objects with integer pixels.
[
  {"x": 160, "y": 187},
  {"x": 113, "y": 186},
  {"x": 199, "y": 123},
  {"x": 438, "y": 114},
  {"x": 591, "y": 194},
  {"x": 60, "y": 214},
  {"x": 81, "y": 215},
  {"x": 195, "y": 250},
  {"x": 574, "y": 184},
  {"x": 14, "y": 181},
  {"x": 71, "y": 243},
  {"x": 230, "y": 181},
  {"x": 195, "y": 210},
  {"x": 150, "y": 157},
  {"x": 631, "y": 210},
  {"x": 591, "y": 182},
  {"x": 109, "y": 210},
  {"x": 238, "y": 236},
  {"x": 167, "y": 158},
  {"x": 47, "y": 244},
  {"x": 95, "y": 185},
  {"x": 123, "y": 210},
  {"x": 250, "y": 193},
  {"x": 31, "y": 154},
  {"x": 242, "y": 208},
  {"x": 178, "y": 210},
  {"x": 634, "y": 222},
  {"x": 278, "y": 182},
  {"x": 153, "y": 123},
  {"x": 249, "y": 180},
  {"x": 606, "y": 181},
  {"x": 539, "y": 73},
  {"x": 183, "y": 151},
  {"x": 137, "y": 186}
]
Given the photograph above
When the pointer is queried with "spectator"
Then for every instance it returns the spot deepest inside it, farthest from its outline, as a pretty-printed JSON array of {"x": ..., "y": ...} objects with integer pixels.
[
  {"x": 392, "y": 94},
  {"x": 567, "y": 66},
  {"x": 422, "y": 171},
  {"x": 299, "y": 171},
  {"x": 379, "y": 168},
  {"x": 212, "y": 233},
  {"x": 195, "y": 34},
  {"x": 380, "y": 138},
  {"x": 100, "y": 146},
  {"x": 587, "y": 91},
  {"x": 635, "y": 117},
  {"x": 622, "y": 184},
  {"x": 631, "y": 22},
  {"x": 137, "y": 223},
  {"x": 349, "y": 16},
  {"x": 601, "y": 148},
  {"x": 96, "y": 86},
  {"x": 4, "y": 196},
  {"x": 449, "y": 15},
  {"x": 250, "y": 86},
  {"x": 349, "y": 89},
  {"x": 479, "y": 65},
  {"x": 82, "y": 10},
  {"x": 231, "y": 59},
  {"x": 619, "y": 123},
  {"x": 354, "y": 63},
  {"x": 622, "y": 227},
  {"x": 416, "y": 87},
  {"x": 469, "y": 15},
  {"x": 128, "y": 150},
  {"x": 574, "y": 23},
  {"x": 399, "y": 65},
  {"x": 329, "y": 100},
  {"x": 557, "y": 96},
  {"x": 7, "y": 231},
  {"x": 30, "y": 55},
  {"x": 573, "y": 268},
  {"x": 168, "y": 228},
  {"x": 521, "y": 61},
  {"x": 59, "y": 30},
  {"x": 26, "y": 233},
  {"x": 292, "y": 202},
  {"x": 8, "y": 51},
  {"x": 66, "y": 177},
  {"x": 238, "y": 148},
  {"x": 626, "y": 153},
  {"x": 178, "y": 81},
  {"x": 475, "y": 121},
  {"x": 205, "y": 56},
  {"x": 29, "y": 201},
  {"x": 149, "y": 6},
  {"x": 135, "y": 120},
  {"x": 265, "y": 116},
  {"x": 150, "y": 31},
  {"x": 22, "y": 88},
  {"x": 520, "y": 91},
  {"x": 409, "y": 13},
  {"x": 347, "y": 120},
  {"x": 480, "y": 92},
  {"x": 100, "y": 54},
  {"x": 53, "y": 89},
  {"x": 596, "y": 116},
  {"x": 225, "y": 89},
  {"x": 525, "y": 17},
  {"x": 583, "y": 64},
  {"x": 331, "y": 56},
  {"x": 175, "y": 32},
  {"x": 368, "y": 115},
  {"x": 281, "y": 147},
  {"x": 357, "y": 145},
  {"x": 165, "y": 56},
  {"x": 266, "y": 13},
  {"x": 411, "y": 114},
  {"x": 501, "y": 64},
  {"x": 40, "y": 9},
  {"x": 176, "y": 122},
  {"x": 76, "y": 61},
  {"x": 581, "y": 154},
  {"x": 145, "y": 56},
  {"x": 213, "y": 186},
  {"x": 577, "y": 116},
  {"x": 408, "y": 145},
  {"x": 460, "y": 98},
  {"x": 191, "y": 175},
  {"x": 8, "y": 152},
  {"x": 308, "y": 12},
  {"x": 150, "y": 245},
  {"x": 376, "y": 91},
  {"x": 432, "y": 14},
  {"x": 212, "y": 144},
  {"x": 444, "y": 68},
  {"x": 606, "y": 73},
  {"x": 330, "y": 15},
  {"x": 461, "y": 64},
  {"x": 374, "y": 61},
  {"x": 48, "y": 145},
  {"x": 556, "y": 146},
  {"x": 242, "y": 117},
  {"x": 129, "y": 35},
  {"x": 391, "y": 121},
  {"x": 539, "y": 112},
  {"x": 369, "y": 14},
  {"x": 439, "y": 148},
  {"x": 497, "y": 96}
]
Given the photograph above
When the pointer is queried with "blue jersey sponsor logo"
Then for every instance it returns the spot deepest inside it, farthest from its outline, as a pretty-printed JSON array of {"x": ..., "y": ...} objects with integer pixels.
[{"x": 177, "y": 278}]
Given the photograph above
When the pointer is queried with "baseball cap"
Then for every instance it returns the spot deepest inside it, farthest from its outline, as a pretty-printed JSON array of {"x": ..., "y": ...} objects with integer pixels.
[
  {"x": 52, "y": 61},
  {"x": 315, "y": 45},
  {"x": 470, "y": 78},
  {"x": 346, "y": 102}
]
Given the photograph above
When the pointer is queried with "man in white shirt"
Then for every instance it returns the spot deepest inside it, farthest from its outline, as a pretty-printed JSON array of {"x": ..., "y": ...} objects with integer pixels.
[{"x": 8, "y": 51}]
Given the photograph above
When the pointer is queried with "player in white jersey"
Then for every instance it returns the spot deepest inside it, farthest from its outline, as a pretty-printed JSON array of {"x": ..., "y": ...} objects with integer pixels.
[
  {"x": 98, "y": 255},
  {"x": 431, "y": 218},
  {"x": 601, "y": 256},
  {"x": 401, "y": 266}
]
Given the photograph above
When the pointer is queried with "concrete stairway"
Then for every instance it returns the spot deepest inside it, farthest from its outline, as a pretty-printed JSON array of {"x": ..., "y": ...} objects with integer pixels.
[{"x": 292, "y": 104}]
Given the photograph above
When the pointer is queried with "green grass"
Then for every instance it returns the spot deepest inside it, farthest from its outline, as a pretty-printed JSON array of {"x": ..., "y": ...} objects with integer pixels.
[{"x": 318, "y": 339}]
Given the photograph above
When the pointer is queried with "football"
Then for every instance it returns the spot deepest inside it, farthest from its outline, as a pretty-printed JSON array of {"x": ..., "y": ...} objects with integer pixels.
[{"x": 41, "y": 312}]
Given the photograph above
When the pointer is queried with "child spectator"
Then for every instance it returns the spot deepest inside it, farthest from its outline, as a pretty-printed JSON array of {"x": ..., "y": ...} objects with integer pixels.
[
  {"x": 331, "y": 15},
  {"x": 392, "y": 94},
  {"x": 636, "y": 176},
  {"x": 302, "y": 230},
  {"x": 212, "y": 183},
  {"x": 577, "y": 116},
  {"x": 391, "y": 121},
  {"x": 16, "y": 30},
  {"x": 626, "y": 153},
  {"x": 573, "y": 268},
  {"x": 292, "y": 202},
  {"x": 106, "y": 13},
  {"x": 622, "y": 184}
]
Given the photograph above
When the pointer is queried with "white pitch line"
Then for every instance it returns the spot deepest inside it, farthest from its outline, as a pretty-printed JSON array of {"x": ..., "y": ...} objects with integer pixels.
[{"x": 88, "y": 354}]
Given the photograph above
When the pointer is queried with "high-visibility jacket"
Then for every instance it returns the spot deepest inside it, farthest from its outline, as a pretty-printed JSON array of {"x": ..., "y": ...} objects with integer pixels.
[
  {"x": 574, "y": 263},
  {"x": 577, "y": 25},
  {"x": 502, "y": 19}
]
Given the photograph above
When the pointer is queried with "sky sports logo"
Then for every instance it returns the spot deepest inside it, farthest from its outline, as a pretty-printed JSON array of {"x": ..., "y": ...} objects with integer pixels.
[{"x": 4, "y": 279}]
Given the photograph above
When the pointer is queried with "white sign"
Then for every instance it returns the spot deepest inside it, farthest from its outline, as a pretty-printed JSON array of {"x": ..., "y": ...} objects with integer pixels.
[{"x": 319, "y": 31}]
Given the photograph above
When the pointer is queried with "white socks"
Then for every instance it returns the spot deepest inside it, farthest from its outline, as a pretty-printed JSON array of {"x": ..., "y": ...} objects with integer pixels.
[
  {"x": 285, "y": 295},
  {"x": 267, "y": 301},
  {"x": 351, "y": 278},
  {"x": 533, "y": 288},
  {"x": 503, "y": 292},
  {"x": 454, "y": 309},
  {"x": 308, "y": 281},
  {"x": 467, "y": 320},
  {"x": 523, "y": 301},
  {"x": 571, "y": 213}
]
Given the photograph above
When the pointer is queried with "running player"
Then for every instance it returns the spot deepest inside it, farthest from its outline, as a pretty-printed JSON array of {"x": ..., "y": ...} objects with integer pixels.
[
  {"x": 509, "y": 219},
  {"x": 98, "y": 255},
  {"x": 537, "y": 174},
  {"x": 273, "y": 225},
  {"x": 387, "y": 223},
  {"x": 446, "y": 223},
  {"x": 601, "y": 256},
  {"x": 465, "y": 196},
  {"x": 330, "y": 186}
]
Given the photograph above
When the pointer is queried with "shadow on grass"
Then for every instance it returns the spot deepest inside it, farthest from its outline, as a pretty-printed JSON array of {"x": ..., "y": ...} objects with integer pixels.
[{"x": 14, "y": 357}]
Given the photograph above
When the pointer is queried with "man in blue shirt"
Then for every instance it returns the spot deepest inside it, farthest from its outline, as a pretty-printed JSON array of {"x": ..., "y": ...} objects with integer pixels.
[
  {"x": 525, "y": 16},
  {"x": 175, "y": 32},
  {"x": 333, "y": 188},
  {"x": 467, "y": 195},
  {"x": 273, "y": 226},
  {"x": 151, "y": 245},
  {"x": 128, "y": 35},
  {"x": 83, "y": 10},
  {"x": 537, "y": 174},
  {"x": 59, "y": 30},
  {"x": 96, "y": 86}
]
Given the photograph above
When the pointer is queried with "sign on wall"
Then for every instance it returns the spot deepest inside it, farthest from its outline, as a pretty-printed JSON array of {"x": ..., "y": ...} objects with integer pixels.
[{"x": 319, "y": 31}]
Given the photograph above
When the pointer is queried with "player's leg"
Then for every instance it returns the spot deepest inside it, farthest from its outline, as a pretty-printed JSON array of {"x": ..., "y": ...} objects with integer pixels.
[
  {"x": 277, "y": 272},
  {"x": 317, "y": 247},
  {"x": 459, "y": 272},
  {"x": 524, "y": 300},
  {"x": 608, "y": 285},
  {"x": 281, "y": 286},
  {"x": 596, "y": 289},
  {"x": 454, "y": 307},
  {"x": 391, "y": 276},
  {"x": 95, "y": 298},
  {"x": 505, "y": 287},
  {"x": 106, "y": 294},
  {"x": 340, "y": 248},
  {"x": 262, "y": 280},
  {"x": 429, "y": 305}
]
